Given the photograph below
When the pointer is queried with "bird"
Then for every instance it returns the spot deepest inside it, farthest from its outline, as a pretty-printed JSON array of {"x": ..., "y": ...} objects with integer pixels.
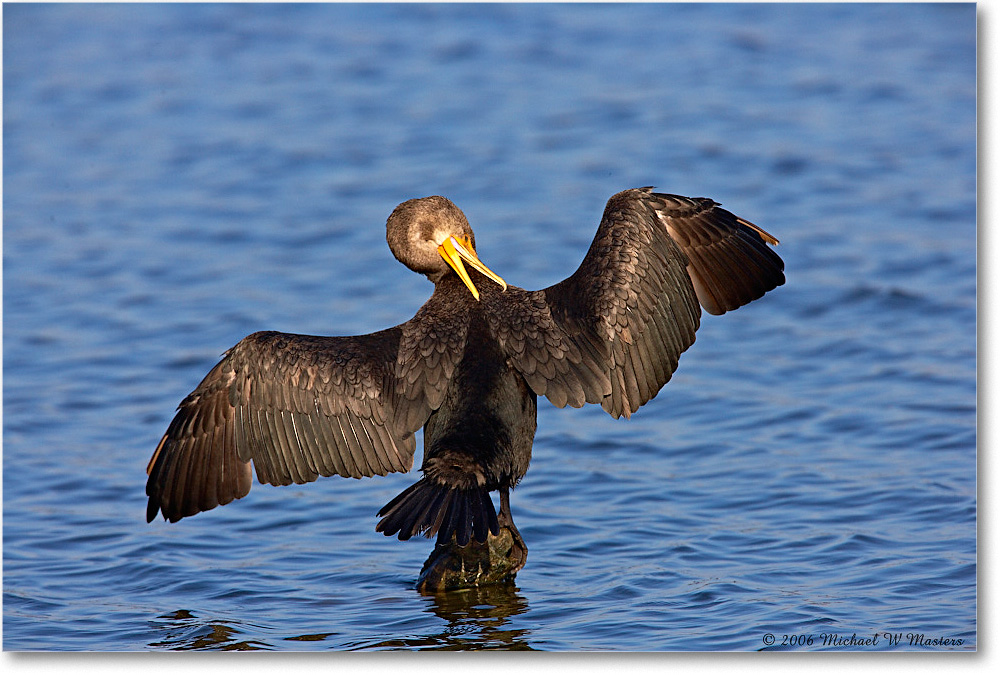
[{"x": 468, "y": 368}]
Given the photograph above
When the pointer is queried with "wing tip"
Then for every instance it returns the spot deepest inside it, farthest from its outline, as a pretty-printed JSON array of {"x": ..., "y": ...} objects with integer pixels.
[{"x": 764, "y": 234}]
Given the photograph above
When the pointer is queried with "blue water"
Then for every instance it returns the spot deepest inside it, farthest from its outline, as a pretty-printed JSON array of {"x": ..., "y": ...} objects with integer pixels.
[{"x": 176, "y": 177}]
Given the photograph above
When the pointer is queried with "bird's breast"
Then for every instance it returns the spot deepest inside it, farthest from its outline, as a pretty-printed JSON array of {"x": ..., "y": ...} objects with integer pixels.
[{"x": 488, "y": 410}]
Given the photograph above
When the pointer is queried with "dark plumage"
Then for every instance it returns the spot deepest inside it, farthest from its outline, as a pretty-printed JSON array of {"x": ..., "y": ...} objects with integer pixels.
[{"x": 468, "y": 367}]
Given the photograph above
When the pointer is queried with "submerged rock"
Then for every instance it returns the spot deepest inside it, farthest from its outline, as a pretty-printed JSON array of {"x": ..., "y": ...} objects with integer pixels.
[{"x": 451, "y": 567}]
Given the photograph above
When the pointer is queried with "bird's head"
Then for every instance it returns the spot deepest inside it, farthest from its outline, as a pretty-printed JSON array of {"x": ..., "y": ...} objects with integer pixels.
[{"x": 431, "y": 236}]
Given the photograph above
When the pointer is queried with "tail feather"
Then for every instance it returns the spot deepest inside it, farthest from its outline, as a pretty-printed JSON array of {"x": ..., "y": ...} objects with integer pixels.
[
  {"x": 432, "y": 504},
  {"x": 439, "y": 517},
  {"x": 487, "y": 518},
  {"x": 398, "y": 512},
  {"x": 462, "y": 522},
  {"x": 430, "y": 508}
]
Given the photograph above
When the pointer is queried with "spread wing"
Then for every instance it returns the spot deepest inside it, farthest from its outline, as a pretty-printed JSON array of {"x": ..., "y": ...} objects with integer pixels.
[
  {"x": 299, "y": 407},
  {"x": 613, "y": 332}
]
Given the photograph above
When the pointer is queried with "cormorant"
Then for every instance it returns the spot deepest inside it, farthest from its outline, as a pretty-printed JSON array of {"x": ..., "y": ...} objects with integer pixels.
[{"x": 468, "y": 367}]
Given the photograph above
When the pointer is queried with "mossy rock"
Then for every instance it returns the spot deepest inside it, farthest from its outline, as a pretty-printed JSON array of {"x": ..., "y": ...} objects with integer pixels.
[{"x": 451, "y": 567}]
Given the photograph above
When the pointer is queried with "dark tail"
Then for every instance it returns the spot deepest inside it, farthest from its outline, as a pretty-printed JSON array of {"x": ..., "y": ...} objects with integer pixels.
[{"x": 431, "y": 508}]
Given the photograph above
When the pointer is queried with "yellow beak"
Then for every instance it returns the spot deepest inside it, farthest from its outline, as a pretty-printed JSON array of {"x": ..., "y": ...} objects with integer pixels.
[{"x": 454, "y": 251}]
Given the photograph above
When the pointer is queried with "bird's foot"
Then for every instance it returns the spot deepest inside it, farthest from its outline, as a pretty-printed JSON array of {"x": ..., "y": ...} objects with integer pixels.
[{"x": 451, "y": 567}]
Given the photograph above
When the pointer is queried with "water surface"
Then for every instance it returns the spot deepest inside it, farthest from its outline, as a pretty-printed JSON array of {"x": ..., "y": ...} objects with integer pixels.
[{"x": 176, "y": 177}]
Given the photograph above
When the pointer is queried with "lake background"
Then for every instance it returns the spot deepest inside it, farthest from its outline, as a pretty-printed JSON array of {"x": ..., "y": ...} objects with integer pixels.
[{"x": 176, "y": 177}]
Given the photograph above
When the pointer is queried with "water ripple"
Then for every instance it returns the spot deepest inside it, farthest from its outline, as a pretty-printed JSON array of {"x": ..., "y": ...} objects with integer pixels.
[{"x": 176, "y": 177}]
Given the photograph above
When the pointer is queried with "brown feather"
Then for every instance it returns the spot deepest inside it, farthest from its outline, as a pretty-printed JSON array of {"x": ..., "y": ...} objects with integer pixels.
[{"x": 294, "y": 407}]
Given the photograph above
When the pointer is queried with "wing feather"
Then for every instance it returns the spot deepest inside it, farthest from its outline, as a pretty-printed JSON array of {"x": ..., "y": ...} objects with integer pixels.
[
  {"x": 297, "y": 407},
  {"x": 730, "y": 263},
  {"x": 613, "y": 332}
]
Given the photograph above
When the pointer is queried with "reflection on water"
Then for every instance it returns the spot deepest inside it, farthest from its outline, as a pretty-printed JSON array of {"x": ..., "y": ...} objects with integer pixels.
[
  {"x": 470, "y": 619},
  {"x": 183, "y": 631},
  {"x": 475, "y": 618}
]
